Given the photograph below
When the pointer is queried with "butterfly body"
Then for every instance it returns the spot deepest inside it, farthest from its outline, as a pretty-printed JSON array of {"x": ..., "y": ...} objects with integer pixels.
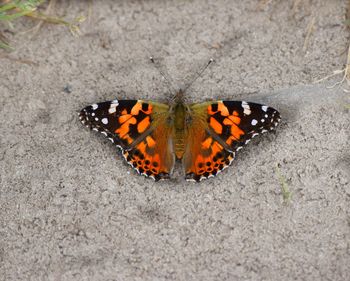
[
  {"x": 203, "y": 136},
  {"x": 178, "y": 116}
]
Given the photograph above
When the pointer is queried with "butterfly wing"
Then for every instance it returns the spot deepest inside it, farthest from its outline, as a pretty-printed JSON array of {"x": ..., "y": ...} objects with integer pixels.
[
  {"x": 218, "y": 130},
  {"x": 139, "y": 128},
  {"x": 204, "y": 155}
]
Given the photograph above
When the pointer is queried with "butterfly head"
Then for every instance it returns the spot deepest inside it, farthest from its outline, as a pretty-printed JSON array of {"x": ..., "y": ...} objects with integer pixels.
[{"x": 179, "y": 96}]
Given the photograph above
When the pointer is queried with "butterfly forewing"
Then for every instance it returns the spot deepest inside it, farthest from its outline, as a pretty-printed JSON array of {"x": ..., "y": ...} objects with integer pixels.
[
  {"x": 236, "y": 122},
  {"x": 115, "y": 120}
]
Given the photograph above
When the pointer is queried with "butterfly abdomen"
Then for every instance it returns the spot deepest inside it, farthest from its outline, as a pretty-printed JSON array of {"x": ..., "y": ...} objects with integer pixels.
[
  {"x": 179, "y": 143},
  {"x": 179, "y": 129}
]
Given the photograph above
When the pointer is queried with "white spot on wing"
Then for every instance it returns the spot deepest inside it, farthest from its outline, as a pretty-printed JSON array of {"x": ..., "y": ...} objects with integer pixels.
[
  {"x": 94, "y": 106},
  {"x": 246, "y": 108},
  {"x": 113, "y": 106},
  {"x": 190, "y": 179},
  {"x": 111, "y": 110},
  {"x": 104, "y": 121},
  {"x": 254, "y": 122},
  {"x": 264, "y": 108}
]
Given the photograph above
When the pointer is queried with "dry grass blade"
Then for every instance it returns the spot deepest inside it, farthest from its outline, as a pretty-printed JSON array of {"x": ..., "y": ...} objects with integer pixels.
[
  {"x": 347, "y": 16},
  {"x": 262, "y": 4},
  {"x": 13, "y": 9},
  {"x": 309, "y": 31},
  {"x": 24, "y": 61},
  {"x": 49, "y": 7},
  {"x": 4, "y": 43},
  {"x": 73, "y": 26},
  {"x": 287, "y": 195}
]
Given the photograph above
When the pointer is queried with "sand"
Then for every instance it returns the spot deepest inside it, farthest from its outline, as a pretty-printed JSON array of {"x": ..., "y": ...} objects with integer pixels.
[{"x": 71, "y": 209}]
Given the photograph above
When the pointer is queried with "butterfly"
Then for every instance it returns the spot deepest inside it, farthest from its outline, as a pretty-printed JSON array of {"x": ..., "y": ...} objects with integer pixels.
[{"x": 203, "y": 136}]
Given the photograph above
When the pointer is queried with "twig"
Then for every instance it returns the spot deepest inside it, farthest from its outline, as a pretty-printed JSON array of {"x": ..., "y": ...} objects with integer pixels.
[
  {"x": 346, "y": 76},
  {"x": 90, "y": 9}
]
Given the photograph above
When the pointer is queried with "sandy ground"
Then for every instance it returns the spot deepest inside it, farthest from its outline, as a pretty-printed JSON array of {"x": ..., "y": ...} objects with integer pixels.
[{"x": 71, "y": 209}]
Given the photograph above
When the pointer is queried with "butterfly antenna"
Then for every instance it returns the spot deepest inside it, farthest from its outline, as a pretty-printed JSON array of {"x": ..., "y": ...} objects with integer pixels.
[
  {"x": 169, "y": 84},
  {"x": 199, "y": 74}
]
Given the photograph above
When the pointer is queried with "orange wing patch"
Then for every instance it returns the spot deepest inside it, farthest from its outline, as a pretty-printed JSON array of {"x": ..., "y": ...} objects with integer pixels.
[
  {"x": 124, "y": 117},
  {"x": 138, "y": 107},
  {"x": 218, "y": 107},
  {"x": 150, "y": 142},
  {"x": 207, "y": 143},
  {"x": 127, "y": 119},
  {"x": 219, "y": 116},
  {"x": 124, "y": 129},
  {"x": 143, "y": 125},
  {"x": 217, "y": 127}
]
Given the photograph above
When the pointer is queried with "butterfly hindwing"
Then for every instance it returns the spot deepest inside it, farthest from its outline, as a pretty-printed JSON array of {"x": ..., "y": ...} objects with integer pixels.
[
  {"x": 139, "y": 129},
  {"x": 204, "y": 156},
  {"x": 218, "y": 130},
  {"x": 153, "y": 156}
]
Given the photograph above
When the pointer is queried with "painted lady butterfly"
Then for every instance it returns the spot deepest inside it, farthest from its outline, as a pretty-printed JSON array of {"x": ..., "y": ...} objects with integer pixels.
[{"x": 204, "y": 136}]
